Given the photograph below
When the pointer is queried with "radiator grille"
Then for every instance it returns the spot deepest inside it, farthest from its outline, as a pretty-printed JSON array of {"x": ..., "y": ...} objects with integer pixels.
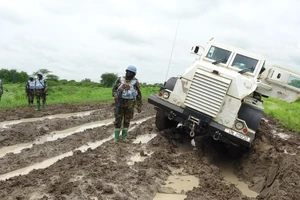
[{"x": 207, "y": 93}]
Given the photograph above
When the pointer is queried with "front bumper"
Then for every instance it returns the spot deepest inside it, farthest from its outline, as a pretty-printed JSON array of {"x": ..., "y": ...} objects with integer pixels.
[{"x": 211, "y": 127}]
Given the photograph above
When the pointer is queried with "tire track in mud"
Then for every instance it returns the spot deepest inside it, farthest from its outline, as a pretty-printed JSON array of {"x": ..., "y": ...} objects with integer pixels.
[
  {"x": 29, "y": 131},
  {"x": 108, "y": 172},
  {"x": 42, "y": 150},
  {"x": 42, "y": 160},
  {"x": 274, "y": 161}
]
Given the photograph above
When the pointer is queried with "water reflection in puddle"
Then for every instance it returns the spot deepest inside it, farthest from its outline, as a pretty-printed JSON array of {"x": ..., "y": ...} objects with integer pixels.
[
  {"x": 227, "y": 173},
  {"x": 139, "y": 157},
  {"x": 14, "y": 149},
  {"x": 182, "y": 183},
  {"x": 281, "y": 135},
  {"x": 160, "y": 196},
  {"x": 286, "y": 152},
  {"x": 64, "y": 133},
  {"x": 144, "y": 138},
  {"x": 176, "y": 186},
  {"x": 78, "y": 114}
]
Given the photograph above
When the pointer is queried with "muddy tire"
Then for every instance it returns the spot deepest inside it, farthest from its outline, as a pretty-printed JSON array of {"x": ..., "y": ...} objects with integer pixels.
[{"x": 161, "y": 121}]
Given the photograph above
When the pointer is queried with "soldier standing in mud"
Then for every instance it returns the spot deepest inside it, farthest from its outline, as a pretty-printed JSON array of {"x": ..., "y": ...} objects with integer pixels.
[
  {"x": 40, "y": 91},
  {"x": 127, "y": 95},
  {"x": 29, "y": 89},
  {"x": 1, "y": 89}
]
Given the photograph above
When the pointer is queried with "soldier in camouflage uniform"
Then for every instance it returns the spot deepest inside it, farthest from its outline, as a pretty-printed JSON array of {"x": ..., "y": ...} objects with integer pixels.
[
  {"x": 40, "y": 91},
  {"x": 127, "y": 95},
  {"x": 29, "y": 89},
  {"x": 1, "y": 89}
]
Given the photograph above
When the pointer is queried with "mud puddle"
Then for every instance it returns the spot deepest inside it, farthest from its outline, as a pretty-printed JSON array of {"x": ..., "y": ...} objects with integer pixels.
[
  {"x": 161, "y": 196},
  {"x": 143, "y": 154},
  {"x": 176, "y": 186},
  {"x": 139, "y": 157},
  {"x": 144, "y": 138},
  {"x": 228, "y": 174}
]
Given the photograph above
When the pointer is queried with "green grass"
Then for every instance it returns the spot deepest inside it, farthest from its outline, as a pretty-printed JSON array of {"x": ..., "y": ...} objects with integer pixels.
[
  {"x": 14, "y": 95},
  {"x": 286, "y": 113}
]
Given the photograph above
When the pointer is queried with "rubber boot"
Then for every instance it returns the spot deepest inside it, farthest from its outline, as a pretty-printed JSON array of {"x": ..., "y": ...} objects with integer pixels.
[
  {"x": 117, "y": 135},
  {"x": 37, "y": 106},
  {"x": 43, "y": 105},
  {"x": 124, "y": 133}
]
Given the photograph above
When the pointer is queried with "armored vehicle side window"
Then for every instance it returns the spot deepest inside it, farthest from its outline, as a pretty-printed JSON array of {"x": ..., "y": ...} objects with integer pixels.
[
  {"x": 294, "y": 81},
  {"x": 216, "y": 53},
  {"x": 244, "y": 63}
]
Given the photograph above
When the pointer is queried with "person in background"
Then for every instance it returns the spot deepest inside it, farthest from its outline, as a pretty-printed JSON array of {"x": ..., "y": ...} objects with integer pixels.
[
  {"x": 40, "y": 90},
  {"x": 29, "y": 89},
  {"x": 127, "y": 94},
  {"x": 1, "y": 89}
]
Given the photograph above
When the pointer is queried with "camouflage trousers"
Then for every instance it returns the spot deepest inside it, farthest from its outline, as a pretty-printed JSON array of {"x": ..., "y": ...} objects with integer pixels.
[
  {"x": 30, "y": 96},
  {"x": 1, "y": 92},
  {"x": 40, "y": 94},
  {"x": 124, "y": 113}
]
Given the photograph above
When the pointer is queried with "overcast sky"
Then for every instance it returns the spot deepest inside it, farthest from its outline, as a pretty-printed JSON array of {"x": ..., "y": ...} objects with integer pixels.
[{"x": 78, "y": 39}]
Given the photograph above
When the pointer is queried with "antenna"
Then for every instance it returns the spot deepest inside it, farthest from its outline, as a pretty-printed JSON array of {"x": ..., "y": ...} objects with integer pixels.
[{"x": 172, "y": 49}]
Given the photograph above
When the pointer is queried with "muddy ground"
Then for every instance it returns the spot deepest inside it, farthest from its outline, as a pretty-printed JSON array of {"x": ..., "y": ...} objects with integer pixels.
[{"x": 57, "y": 163}]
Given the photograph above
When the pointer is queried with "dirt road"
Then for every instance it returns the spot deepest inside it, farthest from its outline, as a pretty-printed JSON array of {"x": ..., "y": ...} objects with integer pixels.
[{"x": 67, "y": 152}]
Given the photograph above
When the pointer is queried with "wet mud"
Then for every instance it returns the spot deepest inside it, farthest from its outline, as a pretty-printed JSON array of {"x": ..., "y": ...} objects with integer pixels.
[{"x": 74, "y": 157}]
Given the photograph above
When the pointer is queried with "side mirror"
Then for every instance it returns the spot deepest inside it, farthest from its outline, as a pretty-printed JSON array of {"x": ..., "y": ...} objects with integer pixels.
[{"x": 197, "y": 50}]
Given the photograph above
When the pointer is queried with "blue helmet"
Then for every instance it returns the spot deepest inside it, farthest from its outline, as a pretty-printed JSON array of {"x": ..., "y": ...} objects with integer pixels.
[
  {"x": 31, "y": 76},
  {"x": 131, "y": 68},
  {"x": 40, "y": 73}
]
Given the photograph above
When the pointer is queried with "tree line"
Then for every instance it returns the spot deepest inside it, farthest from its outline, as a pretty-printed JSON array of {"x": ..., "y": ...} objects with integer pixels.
[{"x": 106, "y": 79}]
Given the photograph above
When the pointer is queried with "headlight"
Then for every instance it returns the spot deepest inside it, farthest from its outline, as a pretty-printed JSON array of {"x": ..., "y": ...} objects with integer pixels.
[
  {"x": 166, "y": 95},
  {"x": 239, "y": 125}
]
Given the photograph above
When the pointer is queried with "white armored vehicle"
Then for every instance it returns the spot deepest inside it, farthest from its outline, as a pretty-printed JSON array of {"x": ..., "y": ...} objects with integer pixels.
[{"x": 220, "y": 94}]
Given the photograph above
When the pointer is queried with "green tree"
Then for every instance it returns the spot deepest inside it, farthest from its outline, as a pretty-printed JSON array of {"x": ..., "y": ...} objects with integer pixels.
[
  {"x": 86, "y": 80},
  {"x": 52, "y": 77},
  {"x": 13, "y": 76},
  {"x": 4, "y": 75},
  {"x": 108, "y": 79},
  {"x": 44, "y": 71},
  {"x": 23, "y": 77}
]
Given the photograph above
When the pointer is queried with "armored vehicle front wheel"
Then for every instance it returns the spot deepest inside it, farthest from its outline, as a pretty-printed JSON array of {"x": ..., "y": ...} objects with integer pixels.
[{"x": 162, "y": 122}]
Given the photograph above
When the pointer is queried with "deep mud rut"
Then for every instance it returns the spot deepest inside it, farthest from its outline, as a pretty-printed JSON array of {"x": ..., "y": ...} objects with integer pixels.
[{"x": 73, "y": 157}]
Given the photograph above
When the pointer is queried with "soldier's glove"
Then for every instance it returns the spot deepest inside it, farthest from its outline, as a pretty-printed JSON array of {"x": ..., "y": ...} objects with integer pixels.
[
  {"x": 116, "y": 99},
  {"x": 125, "y": 87},
  {"x": 139, "y": 109}
]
